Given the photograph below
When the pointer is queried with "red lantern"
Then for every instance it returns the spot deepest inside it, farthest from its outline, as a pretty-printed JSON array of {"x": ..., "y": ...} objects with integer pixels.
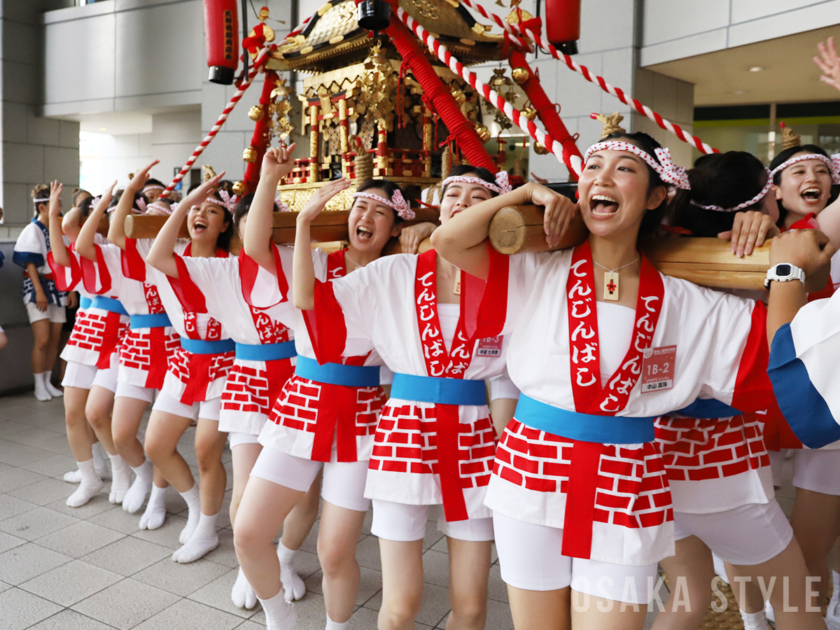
[
  {"x": 562, "y": 24},
  {"x": 221, "y": 25}
]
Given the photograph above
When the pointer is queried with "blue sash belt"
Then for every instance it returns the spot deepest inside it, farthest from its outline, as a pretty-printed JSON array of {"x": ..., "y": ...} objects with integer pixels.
[
  {"x": 444, "y": 391},
  {"x": 108, "y": 304},
  {"x": 266, "y": 352},
  {"x": 154, "y": 320},
  {"x": 337, "y": 373},
  {"x": 707, "y": 408},
  {"x": 202, "y": 346},
  {"x": 85, "y": 302},
  {"x": 583, "y": 426}
]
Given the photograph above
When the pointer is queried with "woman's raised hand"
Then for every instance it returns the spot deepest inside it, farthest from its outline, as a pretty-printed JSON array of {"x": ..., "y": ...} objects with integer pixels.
[
  {"x": 277, "y": 162},
  {"x": 198, "y": 195},
  {"x": 319, "y": 200},
  {"x": 829, "y": 63},
  {"x": 136, "y": 183},
  {"x": 55, "y": 198}
]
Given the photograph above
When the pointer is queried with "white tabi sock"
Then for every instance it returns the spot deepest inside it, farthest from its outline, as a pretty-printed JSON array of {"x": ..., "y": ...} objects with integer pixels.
[
  {"x": 135, "y": 496},
  {"x": 155, "y": 512},
  {"x": 293, "y": 585},
  {"x": 204, "y": 540},
  {"x": 193, "y": 499},
  {"x": 334, "y": 625},
  {"x": 52, "y": 390},
  {"x": 120, "y": 478},
  {"x": 242, "y": 595},
  {"x": 100, "y": 460},
  {"x": 754, "y": 621},
  {"x": 41, "y": 393},
  {"x": 89, "y": 486},
  {"x": 279, "y": 614}
]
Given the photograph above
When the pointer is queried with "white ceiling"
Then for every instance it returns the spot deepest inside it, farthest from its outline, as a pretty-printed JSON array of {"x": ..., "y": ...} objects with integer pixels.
[{"x": 790, "y": 75}]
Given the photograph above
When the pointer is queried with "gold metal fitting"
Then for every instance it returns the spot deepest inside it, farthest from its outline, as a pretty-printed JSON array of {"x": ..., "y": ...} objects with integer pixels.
[
  {"x": 256, "y": 113},
  {"x": 483, "y": 132},
  {"x": 240, "y": 189},
  {"x": 250, "y": 155},
  {"x": 520, "y": 75}
]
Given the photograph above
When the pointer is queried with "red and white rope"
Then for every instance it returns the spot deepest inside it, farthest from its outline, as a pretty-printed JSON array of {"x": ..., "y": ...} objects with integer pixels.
[
  {"x": 594, "y": 78},
  {"x": 572, "y": 161},
  {"x": 259, "y": 62}
]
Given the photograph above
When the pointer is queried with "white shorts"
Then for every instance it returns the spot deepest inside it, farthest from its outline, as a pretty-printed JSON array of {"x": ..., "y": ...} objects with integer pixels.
[
  {"x": 78, "y": 375},
  {"x": 56, "y": 314},
  {"x": 530, "y": 559},
  {"x": 502, "y": 387},
  {"x": 406, "y": 523},
  {"x": 817, "y": 471},
  {"x": 343, "y": 484},
  {"x": 746, "y": 535},
  {"x": 127, "y": 390},
  {"x": 207, "y": 410},
  {"x": 106, "y": 379},
  {"x": 242, "y": 438}
]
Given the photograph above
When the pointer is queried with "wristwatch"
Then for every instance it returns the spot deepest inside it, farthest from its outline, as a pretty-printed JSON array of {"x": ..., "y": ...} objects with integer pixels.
[{"x": 783, "y": 272}]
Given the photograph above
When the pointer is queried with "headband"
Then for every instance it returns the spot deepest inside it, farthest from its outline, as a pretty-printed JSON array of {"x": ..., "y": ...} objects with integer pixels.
[
  {"x": 153, "y": 187},
  {"x": 281, "y": 205},
  {"x": 160, "y": 208},
  {"x": 745, "y": 204},
  {"x": 397, "y": 203},
  {"x": 669, "y": 172},
  {"x": 41, "y": 200},
  {"x": 227, "y": 202},
  {"x": 833, "y": 164},
  {"x": 139, "y": 208},
  {"x": 501, "y": 186}
]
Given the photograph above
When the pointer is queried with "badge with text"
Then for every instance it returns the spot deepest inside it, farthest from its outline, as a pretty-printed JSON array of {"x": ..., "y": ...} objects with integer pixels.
[
  {"x": 490, "y": 347},
  {"x": 658, "y": 369}
]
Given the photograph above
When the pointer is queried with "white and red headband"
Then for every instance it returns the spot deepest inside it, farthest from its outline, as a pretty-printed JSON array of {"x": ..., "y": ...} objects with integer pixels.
[
  {"x": 501, "y": 186},
  {"x": 153, "y": 187},
  {"x": 161, "y": 209},
  {"x": 397, "y": 203},
  {"x": 832, "y": 162},
  {"x": 227, "y": 202},
  {"x": 744, "y": 204},
  {"x": 138, "y": 207},
  {"x": 669, "y": 172}
]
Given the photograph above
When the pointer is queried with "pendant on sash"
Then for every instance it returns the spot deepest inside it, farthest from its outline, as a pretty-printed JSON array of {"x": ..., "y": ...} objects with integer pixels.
[
  {"x": 457, "y": 288},
  {"x": 611, "y": 286}
]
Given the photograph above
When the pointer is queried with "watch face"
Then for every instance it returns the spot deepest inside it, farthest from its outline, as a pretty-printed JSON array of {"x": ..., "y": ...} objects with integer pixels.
[{"x": 783, "y": 270}]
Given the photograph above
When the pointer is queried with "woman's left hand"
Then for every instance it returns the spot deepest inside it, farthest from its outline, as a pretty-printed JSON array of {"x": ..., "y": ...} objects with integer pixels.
[
  {"x": 412, "y": 235},
  {"x": 750, "y": 230}
]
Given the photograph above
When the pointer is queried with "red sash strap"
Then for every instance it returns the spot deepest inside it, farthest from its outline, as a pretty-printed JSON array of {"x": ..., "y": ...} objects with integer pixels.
[
  {"x": 249, "y": 269},
  {"x": 110, "y": 340},
  {"x": 199, "y": 379},
  {"x": 336, "y": 401},
  {"x": 589, "y": 394},
  {"x": 89, "y": 274},
  {"x": 443, "y": 364},
  {"x": 133, "y": 265},
  {"x": 157, "y": 358}
]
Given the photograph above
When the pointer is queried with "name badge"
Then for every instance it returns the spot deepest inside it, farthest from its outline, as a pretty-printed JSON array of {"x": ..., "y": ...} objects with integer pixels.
[
  {"x": 658, "y": 369},
  {"x": 490, "y": 347}
]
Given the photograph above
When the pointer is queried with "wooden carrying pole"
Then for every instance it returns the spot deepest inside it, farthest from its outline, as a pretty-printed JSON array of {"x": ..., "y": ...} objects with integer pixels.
[
  {"x": 327, "y": 226},
  {"x": 704, "y": 261}
]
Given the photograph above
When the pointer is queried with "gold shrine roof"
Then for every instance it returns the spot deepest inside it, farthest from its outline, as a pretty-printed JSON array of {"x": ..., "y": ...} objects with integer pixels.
[{"x": 333, "y": 36}]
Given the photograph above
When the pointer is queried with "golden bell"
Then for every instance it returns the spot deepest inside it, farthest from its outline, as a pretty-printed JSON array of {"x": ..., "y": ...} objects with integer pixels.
[
  {"x": 240, "y": 189},
  {"x": 458, "y": 95},
  {"x": 540, "y": 149},
  {"x": 520, "y": 75},
  {"x": 256, "y": 113},
  {"x": 483, "y": 132},
  {"x": 530, "y": 113},
  {"x": 250, "y": 155}
]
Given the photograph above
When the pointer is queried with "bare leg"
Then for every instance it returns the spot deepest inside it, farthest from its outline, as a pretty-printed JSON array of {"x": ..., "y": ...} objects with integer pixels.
[
  {"x": 541, "y": 610},
  {"x": 337, "y": 539},
  {"x": 209, "y": 446},
  {"x": 692, "y": 565},
  {"x": 52, "y": 349},
  {"x": 469, "y": 573},
  {"x": 816, "y": 526},
  {"x": 162, "y": 435},
  {"x": 606, "y": 614},
  {"x": 402, "y": 583},
  {"x": 100, "y": 404},
  {"x": 40, "y": 347},
  {"x": 299, "y": 522},
  {"x": 791, "y": 604},
  {"x": 128, "y": 413},
  {"x": 261, "y": 512},
  {"x": 78, "y": 431}
]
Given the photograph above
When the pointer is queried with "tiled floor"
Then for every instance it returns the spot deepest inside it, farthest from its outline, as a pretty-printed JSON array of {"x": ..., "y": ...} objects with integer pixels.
[{"x": 90, "y": 568}]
